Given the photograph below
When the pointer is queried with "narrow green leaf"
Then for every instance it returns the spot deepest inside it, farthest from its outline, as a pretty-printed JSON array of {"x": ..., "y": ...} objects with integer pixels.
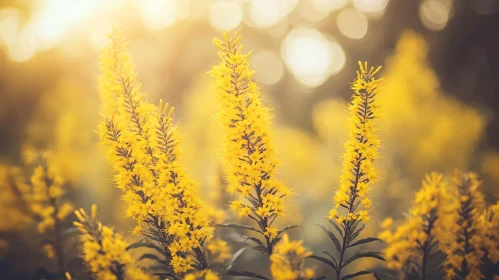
[
  {"x": 333, "y": 238},
  {"x": 353, "y": 275},
  {"x": 147, "y": 245},
  {"x": 364, "y": 241},
  {"x": 363, "y": 254},
  {"x": 246, "y": 273},
  {"x": 336, "y": 227},
  {"x": 287, "y": 228},
  {"x": 324, "y": 260},
  {"x": 151, "y": 257},
  {"x": 331, "y": 256},
  {"x": 239, "y": 226}
]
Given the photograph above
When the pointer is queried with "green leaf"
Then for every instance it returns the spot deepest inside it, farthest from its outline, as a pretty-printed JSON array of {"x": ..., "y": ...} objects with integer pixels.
[
  {"x": 363, "y": 254},
  {"x": 239, "y": 226},
  {"x": 353, "y": 275},
  {"x": 324, "y": 260},
  {"x": 333, "y": 238},
  {"x": 288, "y": 227},
  {"x": 336, "y": 227},
  {"x": 147, "y": 245},
  {"x": 254, "y": 239},
  {"x": 235, "y": 256},
  {"x": 364, "y": 241},
  {"x": 246, "y": 273},
  {"x": 355, "y": 234},
  {"x": 152, "y": 257},
  {"x": 331, "y": 256}
]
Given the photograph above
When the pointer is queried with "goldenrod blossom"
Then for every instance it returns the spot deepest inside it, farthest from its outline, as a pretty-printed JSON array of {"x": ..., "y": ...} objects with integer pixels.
[
  {"x": 462, "y": 238},
  {"x": 249, "y": 157},
  {"x": 409, "y": 247},
  {"x": 142, "y": 143},
  {"x": 287, "y": 261},
  {"x": 105, "y": 251},
  {"x": 361, "y": 149}
]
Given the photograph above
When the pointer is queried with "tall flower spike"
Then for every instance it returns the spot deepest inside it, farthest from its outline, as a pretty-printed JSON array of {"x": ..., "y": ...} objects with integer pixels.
[
  {"x": 142, "y": 143},
  {"x": 104, "y": 251},
  {"x": 351, "y": 209},
  {"x": 462, "y": 239},
  {"x": 249, "y": 157},
  {"x": 287, "y": 261},
  {"x": 410, "y": 247}
]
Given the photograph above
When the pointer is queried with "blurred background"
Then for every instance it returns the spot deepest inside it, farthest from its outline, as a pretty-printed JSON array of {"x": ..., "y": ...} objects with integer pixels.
[{"x": 439, "y": 103}]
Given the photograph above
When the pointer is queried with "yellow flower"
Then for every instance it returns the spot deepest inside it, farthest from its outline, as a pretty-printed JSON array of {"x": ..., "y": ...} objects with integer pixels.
[
  {"x": 361, "y": 148},
  {"x": 220, "y": 249},
  {"x": 461, "y": 238},
  {"x": 287, "y": 261},
  {"x": 249, "y": 158},
  {"x": 412, "y": 240},
  {"x": 104, "y": 250},
  {"x": 142, "y": 149}
]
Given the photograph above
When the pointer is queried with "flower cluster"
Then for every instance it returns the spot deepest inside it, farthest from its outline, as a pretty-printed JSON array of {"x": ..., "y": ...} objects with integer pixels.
[
  {"x": 45, "y": 196},
  {"x": 462, "y": 238},
  {"x": 361, "y": 150},
  {"x": 219, "y": 250},
  {"x": 409, "y": 247},
  {"x": 142, "y": 144},
  {"x": 202, "y": 275},
  {"x": 249, "y": 159},
  {"x": 14, "y": 212},
  {"x": 105, "y": 251},
  {"x": 287, "y": 261}
]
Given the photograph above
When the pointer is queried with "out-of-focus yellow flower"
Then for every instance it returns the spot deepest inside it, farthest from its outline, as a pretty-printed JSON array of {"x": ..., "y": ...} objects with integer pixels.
[
  {"x": 412, "y": 241},
  {"x": 202, "y": 275},
  {"x": 219, "y": 249},
  {"x": 287, "y": 261},
  {"x": 461, "y": 238},
  {"x": 14, "y": 212},
  {"x": 249, "y": 158},
  {"x": 104, "y": 250}
]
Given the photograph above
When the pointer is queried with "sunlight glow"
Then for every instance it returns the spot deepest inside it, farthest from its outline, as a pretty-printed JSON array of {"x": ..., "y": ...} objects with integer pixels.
[
  {"x": 434, "y": 14},
  {"x": 268, "y": 67},
  {"x": 225, "y": 15},
  {"x": 311, "y": 57},
  {"x": 158, "y": 14},
  {"x": 352, "y": 23}
]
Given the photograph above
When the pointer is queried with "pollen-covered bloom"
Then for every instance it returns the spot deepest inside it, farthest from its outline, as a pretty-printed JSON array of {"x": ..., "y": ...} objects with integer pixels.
[
  {"x": 104, "y": 251},
  {"x": 410, "y": 246},
  {"x": 361, "y": 150},
  {"x": 142, "y": 148},
  {"x": 287, "y": 261},
  {"x": 249, "y": 158},
  {"x": 462, "y": 239}
]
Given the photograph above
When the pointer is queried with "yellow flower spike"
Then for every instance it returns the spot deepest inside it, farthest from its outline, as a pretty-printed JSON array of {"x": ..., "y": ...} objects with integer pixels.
[
  {"x": 142, "y": 142},
  {"x": 249, "y": 154},
  {"x": 351, "y": 204},
  {"x": 287, "y": 261},
  {"x": 412, "y": 241},
  {"x": 105, "y": 252},
  {"x": 462, "y": 244}
]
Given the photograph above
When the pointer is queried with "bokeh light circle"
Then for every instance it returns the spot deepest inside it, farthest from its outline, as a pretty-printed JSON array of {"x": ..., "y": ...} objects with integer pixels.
[
  {"x": 311, "y": 57},
  {"x": 352, "y": 23}
]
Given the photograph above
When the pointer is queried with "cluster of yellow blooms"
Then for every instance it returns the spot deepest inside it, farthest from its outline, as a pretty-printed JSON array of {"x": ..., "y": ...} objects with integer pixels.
[
  {"x": 462, "y": 236},
  {"x": 219, "y": 250},
  {"x": 45, "y": 197},
  {"x": 249, "y": 158},
  {"x": 143, "y": 151},
  {"x": 104, "y": 250},
  {"x": 361, "y": 150},
  {"x": 410, "y": 246},
  {"x": 287, "y": 261},
  {"x": 202, "y": 275},
  {"x": 14, "y": 212}
]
